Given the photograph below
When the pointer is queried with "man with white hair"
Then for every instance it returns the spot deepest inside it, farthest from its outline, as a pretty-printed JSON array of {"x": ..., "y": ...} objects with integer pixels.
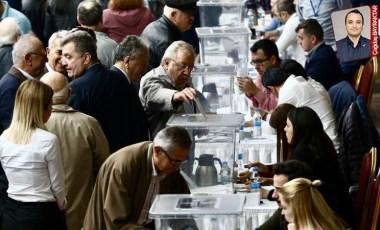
[
  {"x": 54, "y": 54},
  {"x": 178, "y": 17},
  {"x": 9, "y": 33},
  {"x": 84, "y": 148},
  {"x": 29, "y": 58}
]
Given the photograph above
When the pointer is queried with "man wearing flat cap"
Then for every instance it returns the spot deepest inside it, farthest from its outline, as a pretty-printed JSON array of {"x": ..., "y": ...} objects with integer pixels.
[{"x": 178, "y": 17}]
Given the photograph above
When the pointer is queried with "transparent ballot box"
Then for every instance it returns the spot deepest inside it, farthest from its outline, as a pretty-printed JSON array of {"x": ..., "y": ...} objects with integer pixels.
[
  {"x": 209, "y": 169},
  {"x": 221, "y": 12},
  {"x": 203, "y": 212},
  {"x": 224, "y": 45},
  {"x": 216, "y": 83}
]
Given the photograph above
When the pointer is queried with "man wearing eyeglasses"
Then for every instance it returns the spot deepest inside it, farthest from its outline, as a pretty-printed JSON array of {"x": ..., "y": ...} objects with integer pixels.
[
  {"x": 165, "y": 90},
  {"x": 29, "y": 61},
  {"x": 264, "y": 54},
  {"x": 131, "y": 177}
]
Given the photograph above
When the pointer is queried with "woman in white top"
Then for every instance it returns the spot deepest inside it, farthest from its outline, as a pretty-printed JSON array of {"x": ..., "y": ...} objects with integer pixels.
[{"x": 31, "y": 159}]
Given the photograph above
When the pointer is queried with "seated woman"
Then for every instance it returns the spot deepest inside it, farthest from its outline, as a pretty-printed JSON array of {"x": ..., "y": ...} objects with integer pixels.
[
  {"x": 278, "y": 122},
  {"x": 31, "y": 159},
  {"x": 310, "y": 144},
  {"x": 304, "y": 207}
]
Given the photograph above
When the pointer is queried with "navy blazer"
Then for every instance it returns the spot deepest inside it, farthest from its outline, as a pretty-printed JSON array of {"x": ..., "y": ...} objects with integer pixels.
[
  {"x": 8, "y": 88},
  {"x": 103, "y": 94},
  {"x": 323, "y": 66},
  {"x": 138, "y": 123}
]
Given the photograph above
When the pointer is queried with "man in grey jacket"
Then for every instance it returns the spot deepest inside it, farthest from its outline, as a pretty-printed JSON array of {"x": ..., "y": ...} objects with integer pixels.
[{"x": 165, "y": 90}]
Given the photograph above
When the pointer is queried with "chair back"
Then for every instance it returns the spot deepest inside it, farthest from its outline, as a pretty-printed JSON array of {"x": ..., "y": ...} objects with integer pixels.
[
  {"x": 366, "y": 183},
  {"x": 373, "y": 222},
  {"x": 364, "y": 80}
]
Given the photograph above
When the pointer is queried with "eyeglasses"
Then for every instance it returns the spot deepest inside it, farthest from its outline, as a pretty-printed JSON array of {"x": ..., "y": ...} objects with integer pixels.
[
  {"x": 184, "y": 67},
  {"x": 39, "y": 54},
  {"x": 258, "y": 62},
  {"x": 171, "y": 160}
]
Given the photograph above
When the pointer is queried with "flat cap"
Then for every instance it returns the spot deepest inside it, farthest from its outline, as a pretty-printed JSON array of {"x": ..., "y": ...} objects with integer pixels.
[{"x": 184, "y": 5}]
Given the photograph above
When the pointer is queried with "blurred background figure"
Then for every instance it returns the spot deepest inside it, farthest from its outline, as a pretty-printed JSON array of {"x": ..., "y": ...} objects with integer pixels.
[
  {"x": 9, "y": 33},
  {"x": 178, "y": 17},
  {"x": 126, "y": 17},
  {"x": 60, "y": 15},
  {"x": 89, "y": 15},
  {"x": 34, "y": 10},
  {"x": 7, "y": 11}
]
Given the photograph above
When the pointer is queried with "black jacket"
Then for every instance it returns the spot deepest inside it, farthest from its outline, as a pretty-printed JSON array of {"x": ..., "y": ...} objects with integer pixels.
[{"x": 159, "y": 35}]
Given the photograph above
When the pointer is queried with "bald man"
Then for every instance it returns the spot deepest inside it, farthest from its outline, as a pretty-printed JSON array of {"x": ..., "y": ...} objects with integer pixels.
[{"x": 84, "y": 148}]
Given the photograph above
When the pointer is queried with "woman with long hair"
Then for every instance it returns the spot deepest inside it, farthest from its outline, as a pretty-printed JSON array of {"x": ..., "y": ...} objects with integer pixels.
[
  {"x": 31, "y": 159},
  {"x": 126, "y": 17},
  {"x": 278, "y": 122},
  {"x": 304, "y": 207},
  {"x": 309, "y": 143}
]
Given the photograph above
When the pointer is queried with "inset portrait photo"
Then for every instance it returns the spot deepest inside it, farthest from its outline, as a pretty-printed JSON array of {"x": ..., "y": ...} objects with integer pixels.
[{"x": 352, "y": 28}]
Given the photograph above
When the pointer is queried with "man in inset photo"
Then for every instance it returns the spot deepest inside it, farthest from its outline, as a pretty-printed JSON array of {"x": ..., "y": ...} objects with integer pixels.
[{"x": 354, "y": 46}]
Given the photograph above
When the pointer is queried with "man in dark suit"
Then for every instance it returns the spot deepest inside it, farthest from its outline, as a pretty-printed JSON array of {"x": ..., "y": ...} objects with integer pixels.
[
  {"x": 321, "y": 62},
  {"x": 29, "y": 59},
  {"x": 96, "y": 90},
  {"x": 131, "y": 59}
]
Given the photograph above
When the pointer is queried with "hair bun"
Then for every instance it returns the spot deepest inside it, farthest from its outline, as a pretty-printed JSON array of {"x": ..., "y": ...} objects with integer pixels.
[{"x": 316, "y": 183}]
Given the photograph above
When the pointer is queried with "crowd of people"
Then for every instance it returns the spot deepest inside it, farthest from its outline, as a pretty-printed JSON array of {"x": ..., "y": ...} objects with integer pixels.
[{"x": 84, "y": 102}]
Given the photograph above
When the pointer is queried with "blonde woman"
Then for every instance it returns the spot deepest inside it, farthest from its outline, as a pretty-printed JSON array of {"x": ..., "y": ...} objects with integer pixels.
[
  {"x": 31, "y": 159},
  {"x": 304, "y": 207}
]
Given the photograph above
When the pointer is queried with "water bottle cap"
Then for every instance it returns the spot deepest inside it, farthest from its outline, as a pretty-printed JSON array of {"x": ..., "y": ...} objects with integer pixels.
[
  {"x": 254, "y": 169},
  {"x": 255, "y": 185}
]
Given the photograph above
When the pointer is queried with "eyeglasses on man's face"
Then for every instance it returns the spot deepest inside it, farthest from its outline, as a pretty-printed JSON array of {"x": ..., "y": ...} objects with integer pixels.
[
  {"x": 39, "y": 54},
  {"x": 184, "y": 67},
  {"x": 258, "y": 62},
  {"x": 171, "y": 160}
]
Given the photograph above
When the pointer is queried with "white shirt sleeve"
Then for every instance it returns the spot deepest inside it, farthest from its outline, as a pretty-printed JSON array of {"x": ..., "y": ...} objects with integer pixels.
[{"x": 56, "y": 174}]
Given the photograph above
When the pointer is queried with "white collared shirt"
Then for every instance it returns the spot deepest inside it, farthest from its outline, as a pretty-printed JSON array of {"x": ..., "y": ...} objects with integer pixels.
[
  {"x": 34, "y": 170},
  {"x": 25, "y": 73}
]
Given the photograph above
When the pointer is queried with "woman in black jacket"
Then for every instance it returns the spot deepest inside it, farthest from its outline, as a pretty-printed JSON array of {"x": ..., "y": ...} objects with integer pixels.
[{"x": 309, "y": 143}]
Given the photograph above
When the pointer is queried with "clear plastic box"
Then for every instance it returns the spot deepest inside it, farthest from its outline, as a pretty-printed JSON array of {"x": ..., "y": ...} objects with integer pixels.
[
  {"x": 203, "y": 212},
  {"x": 225, "y": 45},
  {"x": 221, "y": 12},
  {"x": 216, "y": 83},
  {"x": 213, "y": 152}
]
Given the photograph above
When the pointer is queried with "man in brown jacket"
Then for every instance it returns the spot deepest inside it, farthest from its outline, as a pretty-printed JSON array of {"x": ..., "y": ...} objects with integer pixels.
[
  {"x": 131, "y": 177},
  {"x": 84, "y": 148}
]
